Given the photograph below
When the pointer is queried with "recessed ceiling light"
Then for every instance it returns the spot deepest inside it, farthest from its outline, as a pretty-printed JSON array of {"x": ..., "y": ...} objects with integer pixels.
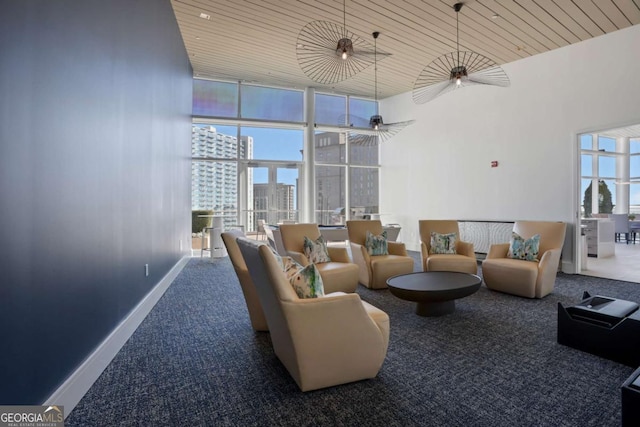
[{"x": 205, "y": 16}]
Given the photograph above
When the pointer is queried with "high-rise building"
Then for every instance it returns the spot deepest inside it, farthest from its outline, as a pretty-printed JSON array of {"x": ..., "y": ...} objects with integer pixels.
[
  {"x": 214, "y": 184},
  {"x": 284, "y": 208}
]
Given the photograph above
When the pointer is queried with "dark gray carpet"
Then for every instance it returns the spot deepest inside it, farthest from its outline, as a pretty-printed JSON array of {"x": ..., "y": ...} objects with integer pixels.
[{"x": 494, "y": 362}]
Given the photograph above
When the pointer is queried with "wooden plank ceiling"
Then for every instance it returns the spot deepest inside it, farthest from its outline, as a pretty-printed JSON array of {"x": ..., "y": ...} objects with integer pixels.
[{"x": 255, "y": 40}]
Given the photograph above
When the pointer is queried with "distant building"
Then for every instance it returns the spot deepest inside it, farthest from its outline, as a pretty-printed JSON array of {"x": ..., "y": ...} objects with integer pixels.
[
  {"x": 284, "y": 203},
  {"x": 330, "y": 148},
  {"x": 214, "y": 184}
]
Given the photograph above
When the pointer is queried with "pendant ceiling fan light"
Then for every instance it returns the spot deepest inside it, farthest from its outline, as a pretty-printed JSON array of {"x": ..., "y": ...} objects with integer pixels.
[
  {"x": 378, "y": 131},
  {"x": 465, "y": 68},
  {"x": 329, "y": 53}
]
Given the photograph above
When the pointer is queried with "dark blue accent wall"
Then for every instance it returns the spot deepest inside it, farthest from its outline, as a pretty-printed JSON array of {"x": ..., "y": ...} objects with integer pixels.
[{"x": 95, "y": 176}]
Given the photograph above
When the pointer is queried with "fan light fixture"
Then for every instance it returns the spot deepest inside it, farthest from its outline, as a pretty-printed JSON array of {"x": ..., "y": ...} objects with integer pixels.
[
  {"x": 378, "y": 131},
  {"x": 328, "y": 53},
  {"x": 457, "y": 69}
]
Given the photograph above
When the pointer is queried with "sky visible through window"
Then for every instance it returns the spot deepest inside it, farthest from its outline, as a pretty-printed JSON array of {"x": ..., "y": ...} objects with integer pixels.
[
  {"x": 607, "y": 165},
  {"x": 270, "y": 144}
]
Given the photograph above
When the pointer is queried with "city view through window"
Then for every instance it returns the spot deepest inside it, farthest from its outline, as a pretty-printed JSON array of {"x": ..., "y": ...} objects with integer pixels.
[{"x": 252, "y": 173}]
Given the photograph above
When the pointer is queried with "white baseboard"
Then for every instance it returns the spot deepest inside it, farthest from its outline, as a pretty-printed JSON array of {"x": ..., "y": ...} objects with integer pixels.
[{"x": 79, "y": 382}]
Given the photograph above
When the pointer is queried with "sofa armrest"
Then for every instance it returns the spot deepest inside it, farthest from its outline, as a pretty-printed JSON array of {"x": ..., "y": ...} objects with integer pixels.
[
  {"x": 397, "y": 248},
  {"x": 338, "y": 254},
  {"x": 498, "y": 250},
  {"x": 465, "y": 248}
]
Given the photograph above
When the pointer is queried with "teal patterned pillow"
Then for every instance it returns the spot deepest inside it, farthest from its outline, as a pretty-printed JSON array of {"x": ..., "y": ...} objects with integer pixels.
[
  {"x": 307, "y": 283},
  {"x": 316, "y": 251},
  {"x": 525, "y": 249},
  {"x": 377, "y": 245},
  {"x": 443, "y": 243}
]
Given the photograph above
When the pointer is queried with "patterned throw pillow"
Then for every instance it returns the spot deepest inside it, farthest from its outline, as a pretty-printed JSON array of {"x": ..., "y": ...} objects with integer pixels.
[
  {"x": 377, "y": 245},
  {"x": 525, "y": 249},
  {"x": 306, "y": 281},
  {"x": 443, "y": 243},
  {"x": 316, "y": 251}
]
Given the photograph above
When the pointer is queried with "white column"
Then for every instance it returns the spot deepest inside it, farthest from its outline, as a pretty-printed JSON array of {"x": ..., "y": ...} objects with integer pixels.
[
  {"x": 595, "y": 187},
  {"x": 622, "y": 176},
  {"x": 307, "y": 202}
]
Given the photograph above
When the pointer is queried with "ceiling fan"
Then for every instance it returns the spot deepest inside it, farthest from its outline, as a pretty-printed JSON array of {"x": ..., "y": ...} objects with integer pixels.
[
  {"x": 457, "y": 69},
  {"x": 329, "y": 53},
  {"x": 376, "y": 131}
]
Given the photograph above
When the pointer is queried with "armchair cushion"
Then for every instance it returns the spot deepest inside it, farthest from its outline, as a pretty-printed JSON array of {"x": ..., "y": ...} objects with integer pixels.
[
  {"x": 316, "y": 250},
  {"x": 443, "y": 243},
  {"x": 524, "y": 249},
  {"x": 376, "y": 244}
]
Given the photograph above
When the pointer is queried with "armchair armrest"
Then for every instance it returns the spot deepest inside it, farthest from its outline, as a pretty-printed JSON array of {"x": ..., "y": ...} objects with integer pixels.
[
  {"x": 465, "y": 248},
  {"x": 362, "y": 260},
  {"x": 359, "y": 254},
  {"x": 425, "y": 254},
  {"x": 547, "y": 270},
  {"x": 338, "y": 254},
  {"x": 397, "y": 248},
  {"x": 299, "y": 257},
  {"x": 498, "y": 250}
]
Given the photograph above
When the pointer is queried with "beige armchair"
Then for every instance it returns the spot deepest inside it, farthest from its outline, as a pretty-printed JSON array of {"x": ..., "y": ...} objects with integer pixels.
[
  {"x": 322, "y": 342},
  {"x": 526, "y": 278},
  {"x": 464, "y": 260},
  {"x": 338, "y": 275},
  {"x": 256, "y": 314},
  {"x": 375, "y": 270}
]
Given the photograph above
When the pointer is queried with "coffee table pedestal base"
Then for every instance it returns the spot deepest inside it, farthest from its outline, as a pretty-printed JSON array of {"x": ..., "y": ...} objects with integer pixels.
[{"x": 433, "y": 309}]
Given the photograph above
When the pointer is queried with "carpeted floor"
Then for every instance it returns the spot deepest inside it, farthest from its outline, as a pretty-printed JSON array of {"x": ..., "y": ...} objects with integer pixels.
[{"x": 494, "y": 362}]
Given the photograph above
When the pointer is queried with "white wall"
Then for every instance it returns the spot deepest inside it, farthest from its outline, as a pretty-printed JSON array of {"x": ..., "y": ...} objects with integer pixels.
[{"x": 439, "y": 167}]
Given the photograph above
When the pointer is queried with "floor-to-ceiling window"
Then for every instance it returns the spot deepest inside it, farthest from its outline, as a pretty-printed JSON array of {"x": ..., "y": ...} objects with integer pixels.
[
  {"x": 248, "y": 151},
  {"x": 346, "y": 174}
]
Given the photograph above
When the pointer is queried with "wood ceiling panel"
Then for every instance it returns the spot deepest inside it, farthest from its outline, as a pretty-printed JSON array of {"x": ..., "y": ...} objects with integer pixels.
[
  {"x": 519, "y": 27},
  {"x": 613, "y": 13},
  {"x": 578, "y": 14},
  {"x": 597, "y": 16},
  {"x": 630, "y": 10},
  {"x": 563, "y": 35},
  {"x": 564, "y": 18},
  {"x": 254, "y": 40}
]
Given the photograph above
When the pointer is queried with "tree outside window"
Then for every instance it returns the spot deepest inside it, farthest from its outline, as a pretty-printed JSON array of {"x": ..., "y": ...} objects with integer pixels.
[{"x": 605, "y": 204}]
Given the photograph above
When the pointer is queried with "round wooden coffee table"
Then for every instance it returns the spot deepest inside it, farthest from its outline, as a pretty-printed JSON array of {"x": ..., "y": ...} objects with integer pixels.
[{"x": 434, "y": 291}]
